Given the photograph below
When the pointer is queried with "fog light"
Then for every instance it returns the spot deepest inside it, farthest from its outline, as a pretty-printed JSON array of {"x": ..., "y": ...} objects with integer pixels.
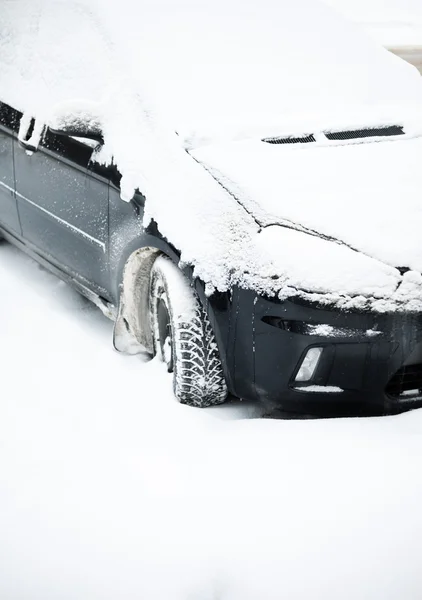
[{"x": 309, "y": 365}]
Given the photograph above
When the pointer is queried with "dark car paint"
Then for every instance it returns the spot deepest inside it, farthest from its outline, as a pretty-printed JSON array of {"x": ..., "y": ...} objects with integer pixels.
[
  {"x": 361, "y": 365},
  {"x": 70, "y": 222},
  {"x": 9, "y": 212},
  {"x": 65, "y": 210}
]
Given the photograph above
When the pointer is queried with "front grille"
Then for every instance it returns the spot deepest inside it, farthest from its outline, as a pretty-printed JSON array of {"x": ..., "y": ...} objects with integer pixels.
[
  {"x": 365, "y": 133},
  {"x": 290, "y": 140},
  {"x": 405, "y": 379}
]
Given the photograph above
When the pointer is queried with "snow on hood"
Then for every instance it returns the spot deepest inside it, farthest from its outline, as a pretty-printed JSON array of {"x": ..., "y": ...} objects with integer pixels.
[
  {"x": 368, "y": 196},
  {"x": 209, "y": 70},
  {"x": 329, "y": 273}
]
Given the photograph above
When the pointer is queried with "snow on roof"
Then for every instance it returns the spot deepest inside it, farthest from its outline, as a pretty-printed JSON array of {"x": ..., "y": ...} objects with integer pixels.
[{"x": 210, "y": 69}]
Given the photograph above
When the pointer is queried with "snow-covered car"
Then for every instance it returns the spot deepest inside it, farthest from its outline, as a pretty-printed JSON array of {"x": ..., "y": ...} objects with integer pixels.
[{"x": 249, "y": 210}]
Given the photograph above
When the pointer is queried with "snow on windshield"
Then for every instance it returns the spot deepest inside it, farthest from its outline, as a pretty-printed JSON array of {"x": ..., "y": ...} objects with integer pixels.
[
  {"x": 204, "y": 68},
  {"x": 199, "y": 61},
  {"x": 203, "y": 60}
]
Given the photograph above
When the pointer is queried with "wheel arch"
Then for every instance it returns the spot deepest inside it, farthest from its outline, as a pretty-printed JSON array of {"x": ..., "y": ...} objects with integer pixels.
[{"x": 132, "y": 332}]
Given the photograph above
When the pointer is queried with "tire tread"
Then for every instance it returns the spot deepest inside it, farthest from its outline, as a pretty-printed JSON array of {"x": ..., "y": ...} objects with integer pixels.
[{"x": 198, "y": 378}]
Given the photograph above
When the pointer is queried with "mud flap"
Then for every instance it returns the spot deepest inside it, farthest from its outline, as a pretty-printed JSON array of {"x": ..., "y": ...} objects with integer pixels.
[{"x": 123, "y": 340}]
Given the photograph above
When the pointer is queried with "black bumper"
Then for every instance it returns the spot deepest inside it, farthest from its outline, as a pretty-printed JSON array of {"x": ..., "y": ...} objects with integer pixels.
[{"x": 369, "y": 364}]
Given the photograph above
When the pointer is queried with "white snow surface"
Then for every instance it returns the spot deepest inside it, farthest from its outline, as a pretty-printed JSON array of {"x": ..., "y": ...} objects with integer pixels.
[
  {"x": 351, "y": 209},
  {"x": 154, "y": 68},
  {"x": 320, "y": 389},
  {"x": 110, "y": 489},
  {"x": 393, "y": 23}
]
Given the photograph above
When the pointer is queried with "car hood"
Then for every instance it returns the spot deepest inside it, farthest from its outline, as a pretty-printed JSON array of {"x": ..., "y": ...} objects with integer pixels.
[{"x": 367, "y": 196}]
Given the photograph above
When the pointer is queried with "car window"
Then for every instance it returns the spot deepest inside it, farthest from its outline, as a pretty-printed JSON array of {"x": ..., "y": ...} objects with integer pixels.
[{"x": 9, "y": 117}]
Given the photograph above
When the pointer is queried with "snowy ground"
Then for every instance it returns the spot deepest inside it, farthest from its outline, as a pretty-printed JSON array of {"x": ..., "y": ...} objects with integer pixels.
[{"x": 111, "y": 490}]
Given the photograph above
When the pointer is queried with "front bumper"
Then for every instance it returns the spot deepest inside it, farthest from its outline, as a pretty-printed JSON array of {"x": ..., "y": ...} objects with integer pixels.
[{"x": 370, "y": 363}]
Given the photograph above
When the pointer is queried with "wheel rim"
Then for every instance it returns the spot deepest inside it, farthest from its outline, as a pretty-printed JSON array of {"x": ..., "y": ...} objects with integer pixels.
[{"x": 164, "y": 334}]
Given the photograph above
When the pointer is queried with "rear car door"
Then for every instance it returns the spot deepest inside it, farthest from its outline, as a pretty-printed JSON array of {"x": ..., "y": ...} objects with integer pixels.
[
  {"x": 63, "y": 204},
  {"x": 9, "y": 124}
]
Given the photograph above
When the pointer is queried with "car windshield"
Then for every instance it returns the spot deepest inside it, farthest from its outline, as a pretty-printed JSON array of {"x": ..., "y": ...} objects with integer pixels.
[
  {"x": 211, "y": 62},
  {"x": 201, "y": 64}
]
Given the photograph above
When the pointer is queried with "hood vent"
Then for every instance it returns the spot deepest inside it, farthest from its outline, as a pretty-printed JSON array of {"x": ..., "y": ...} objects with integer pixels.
[
  {"x": 365, "y": 133},
  {"x": 353, "y": 134},
  {"x": 290, "y": 140}
]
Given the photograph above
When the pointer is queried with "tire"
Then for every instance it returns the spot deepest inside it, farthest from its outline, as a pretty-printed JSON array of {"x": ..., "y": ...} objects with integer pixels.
[{"x": 183, "y": 337}]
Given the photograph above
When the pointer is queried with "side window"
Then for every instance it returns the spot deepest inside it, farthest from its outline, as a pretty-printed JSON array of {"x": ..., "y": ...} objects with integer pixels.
[
  {"x": 67, "y": 147},
  {"x": 9, "y": 117},
  {"x": 78, "y": 151}
]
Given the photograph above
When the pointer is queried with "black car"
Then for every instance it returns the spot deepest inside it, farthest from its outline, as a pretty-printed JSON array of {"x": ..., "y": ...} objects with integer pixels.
[
  {"x": 237, "y": 187},
  {"x": 65, "y": 211}
]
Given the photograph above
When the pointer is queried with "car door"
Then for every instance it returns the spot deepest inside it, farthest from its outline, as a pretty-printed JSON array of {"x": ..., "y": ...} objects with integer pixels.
[
  {"x": 63, "y": 204},
  {"x": 9, "y": 124}
]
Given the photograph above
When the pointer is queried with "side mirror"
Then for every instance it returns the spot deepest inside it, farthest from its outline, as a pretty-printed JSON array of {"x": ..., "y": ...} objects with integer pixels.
[{"x": 76, "y": 122}]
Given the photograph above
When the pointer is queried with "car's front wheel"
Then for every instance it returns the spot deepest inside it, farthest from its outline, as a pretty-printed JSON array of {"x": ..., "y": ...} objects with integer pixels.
[{"x": 183, "y": 337}]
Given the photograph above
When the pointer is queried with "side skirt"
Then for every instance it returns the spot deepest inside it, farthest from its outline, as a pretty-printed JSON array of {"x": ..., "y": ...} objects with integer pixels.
[{"x": 108, "y": 309}]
